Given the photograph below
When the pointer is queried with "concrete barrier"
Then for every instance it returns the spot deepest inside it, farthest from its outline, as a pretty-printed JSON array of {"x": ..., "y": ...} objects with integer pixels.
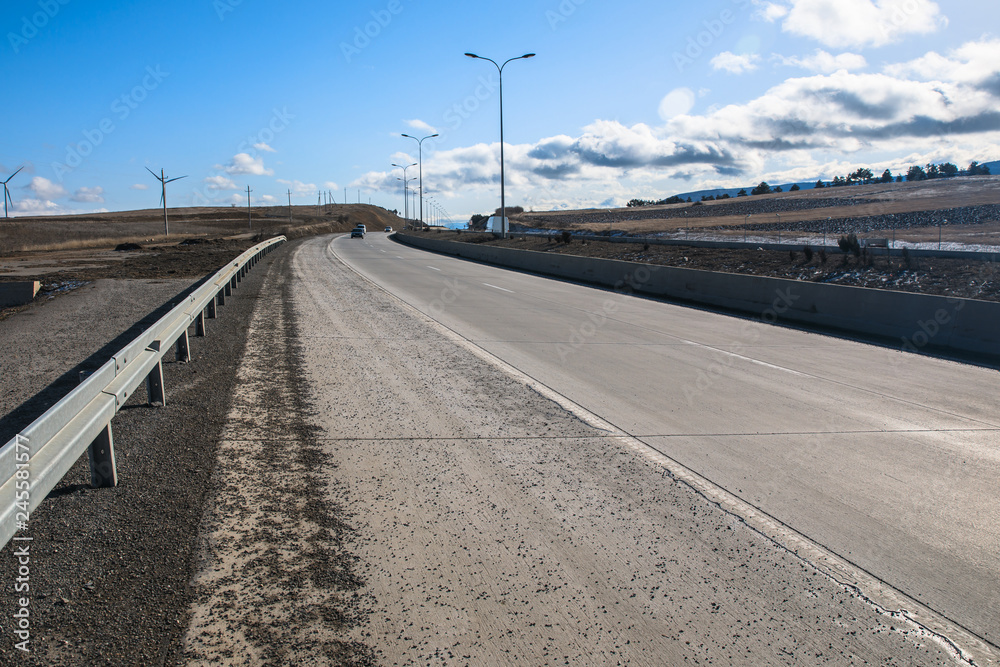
[
  {"x": 881, "y": 248},
  {"x": 19, "y": 293},
  {"x": 915, "y": 321}
]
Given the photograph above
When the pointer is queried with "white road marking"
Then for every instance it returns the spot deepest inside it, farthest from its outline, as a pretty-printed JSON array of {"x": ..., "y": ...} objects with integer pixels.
[
  {"x": 433, "y": 268},
  {"x": 750, "y": 359},
  {"x": 499, "y": 288}
]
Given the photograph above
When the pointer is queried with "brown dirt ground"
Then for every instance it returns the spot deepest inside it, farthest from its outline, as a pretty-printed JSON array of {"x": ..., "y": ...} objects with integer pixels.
[
  {"x": 947, "y": 277},
  {"x": 87, "y": 252},
  {"x": 843, "y": 202}
]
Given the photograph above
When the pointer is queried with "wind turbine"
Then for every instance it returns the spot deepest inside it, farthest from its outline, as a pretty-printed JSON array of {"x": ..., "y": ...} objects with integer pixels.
[
  {"x": 163, "y": 195},
  {"x": 6, "y": 191}
]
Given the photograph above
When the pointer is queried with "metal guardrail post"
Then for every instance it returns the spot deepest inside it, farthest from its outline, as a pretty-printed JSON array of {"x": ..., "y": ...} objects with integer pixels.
[
  {"x": 199, "y": 322},
  {"x": 103, "y": 470},
  {"x": 183, "y": 348},
  {"x": 154, "y": 385}
]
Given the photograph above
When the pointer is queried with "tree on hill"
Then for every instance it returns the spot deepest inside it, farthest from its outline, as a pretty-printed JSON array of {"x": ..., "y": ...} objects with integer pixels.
[
  {"x": 477, "y": 221},
  {"x": 948, "y": 170},
  {"x": 886, "y": 176},
  {"x": 819, "y": 184},
  {"x": 795, "y": 188},
  {"x": 864, "y": 174},
  {"x": 511, "y": 210},
  {"x": 899, "y": 178},
  {"x": 724, "y": 195},
  {"x": 976, "y": 169},
  {"x": 777, "y": 188},
  {"x": 762, "y": 189},
  {"x": 916, "y": 173},
  {"x": 742, "y": 193},
  {"x": 932, "y": 171}
]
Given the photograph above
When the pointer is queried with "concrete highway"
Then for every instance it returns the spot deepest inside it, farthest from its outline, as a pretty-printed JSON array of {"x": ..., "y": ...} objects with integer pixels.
[{"x": 889, "y": 460}]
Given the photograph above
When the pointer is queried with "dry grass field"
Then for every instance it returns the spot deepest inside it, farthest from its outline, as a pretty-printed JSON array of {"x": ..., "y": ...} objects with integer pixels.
[{"x": 103, "y": 230}]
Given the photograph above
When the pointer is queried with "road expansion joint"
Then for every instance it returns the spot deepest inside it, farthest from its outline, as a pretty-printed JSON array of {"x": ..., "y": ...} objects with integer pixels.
[{"x": 963, "y": 644}]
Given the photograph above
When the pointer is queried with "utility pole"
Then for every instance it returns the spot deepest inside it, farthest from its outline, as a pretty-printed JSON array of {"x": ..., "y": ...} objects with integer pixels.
[
  {"x": 289, "y": 207},
  {"x": 249, "y": 209}
]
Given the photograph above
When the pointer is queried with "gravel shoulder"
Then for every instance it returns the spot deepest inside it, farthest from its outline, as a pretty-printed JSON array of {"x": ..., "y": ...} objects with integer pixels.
[{"x": 485, "y": 523}]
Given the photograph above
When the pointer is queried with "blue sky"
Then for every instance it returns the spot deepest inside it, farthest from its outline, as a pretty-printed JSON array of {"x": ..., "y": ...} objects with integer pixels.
[{"x": 627, "y": 99}]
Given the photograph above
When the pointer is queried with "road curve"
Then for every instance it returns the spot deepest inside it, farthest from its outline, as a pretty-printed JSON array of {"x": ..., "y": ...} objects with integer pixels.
[{"x": 887, "y": 459}]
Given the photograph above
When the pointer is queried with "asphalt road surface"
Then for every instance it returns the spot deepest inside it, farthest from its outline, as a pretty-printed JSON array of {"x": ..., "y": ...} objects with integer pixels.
[
  {"x": 537, "y": 472},
  {"x": 890, "y": 460}
]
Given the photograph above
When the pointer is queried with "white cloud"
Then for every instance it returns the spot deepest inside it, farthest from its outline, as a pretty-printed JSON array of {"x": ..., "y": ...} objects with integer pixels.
[
  {"x": 46, "y": 189},
  {"x": 299, "y": 188},
  {"x": 267, "y": 199},
  {"x": 825, "y": 63},
  {"x": 89, "y": 195},
  {"x": 39, "y": 207},
  {"x": 858, "y": 23},
  {"x": 139, "y": 186},
  {"x": 675, "y": 103},
  {"x": 735, "y": 63},
  {"x": 219, "y": 182},
  {"x": 972, "y": 63},
  {"x": 330, "y": 185},
  {"x": 243, "y": 163},
  {"x": 770, "y": 11},
  {"x": 264, "y": 147},
  {"x": 421, "y": 126}
]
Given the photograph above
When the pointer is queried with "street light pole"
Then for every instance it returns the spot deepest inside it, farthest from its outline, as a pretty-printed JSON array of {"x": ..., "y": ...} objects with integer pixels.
[
  {"x": 420, "y": 161},
  {"x": 405, "y": 207},
  {"x": 503, "y": 202}
]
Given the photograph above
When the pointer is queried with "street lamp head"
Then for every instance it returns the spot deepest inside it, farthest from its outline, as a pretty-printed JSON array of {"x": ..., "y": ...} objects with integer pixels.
[
  {"x": 528, "y": 55},
  {"x": 472, "y": 55},
  {"x": 433, "y": 135},
  {"x": 407, "y": 136}
]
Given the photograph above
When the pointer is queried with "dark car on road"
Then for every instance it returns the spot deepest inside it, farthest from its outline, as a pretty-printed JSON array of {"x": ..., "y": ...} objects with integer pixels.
[{"x": 358, "y": 232}]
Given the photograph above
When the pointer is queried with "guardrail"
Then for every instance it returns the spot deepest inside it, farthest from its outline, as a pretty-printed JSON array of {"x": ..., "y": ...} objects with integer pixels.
[{"x": 34, "y": 460}]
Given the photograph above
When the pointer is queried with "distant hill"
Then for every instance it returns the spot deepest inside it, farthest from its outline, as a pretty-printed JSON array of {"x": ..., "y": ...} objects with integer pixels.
[{"x": 803, "y": 185}]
